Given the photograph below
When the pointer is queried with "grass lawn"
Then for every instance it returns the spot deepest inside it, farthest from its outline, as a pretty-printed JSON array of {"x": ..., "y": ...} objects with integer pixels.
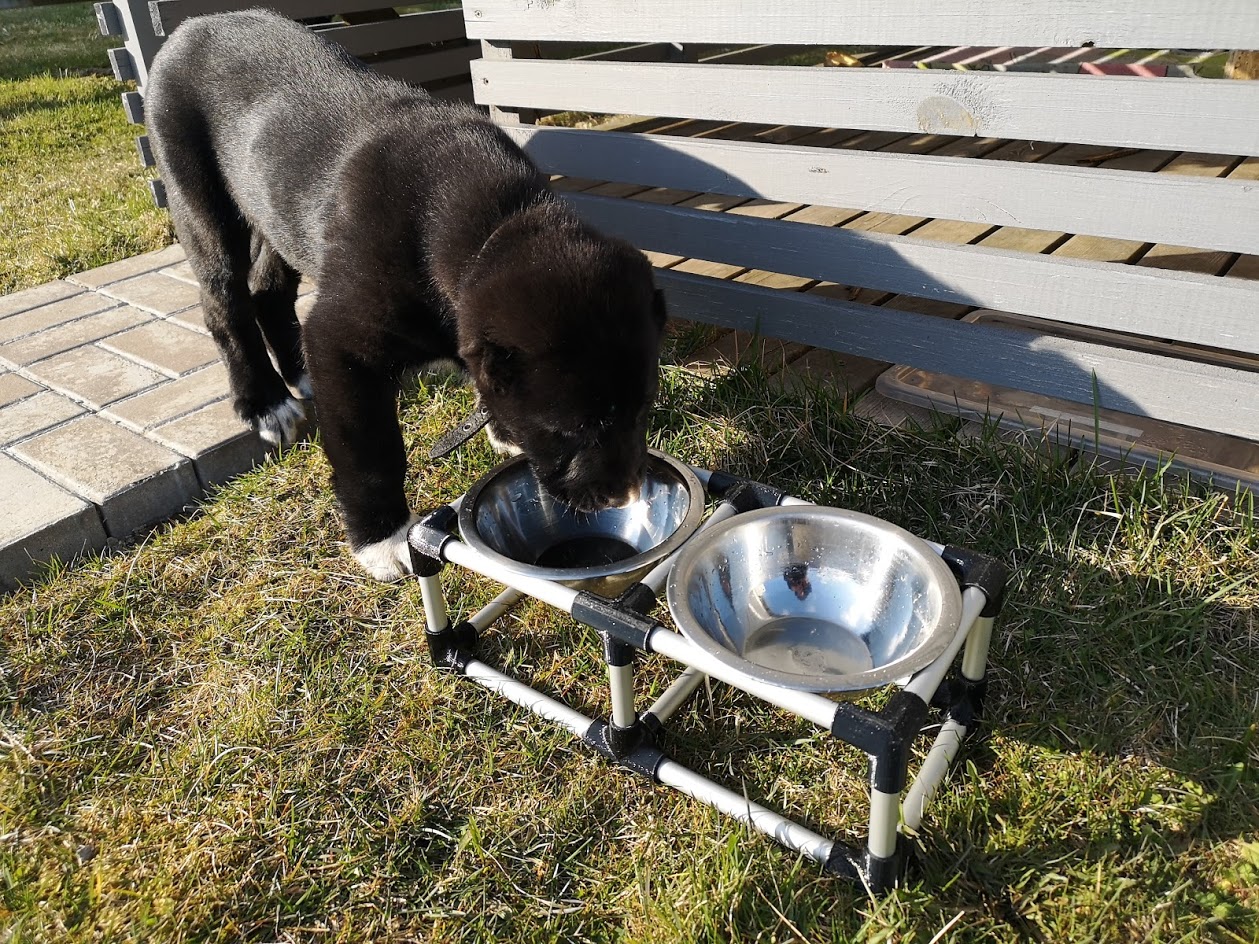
[
  {"x": 227, "y": 733},
  {"x": 73, "y": 194},
  {"x": 224, "y": 732}
]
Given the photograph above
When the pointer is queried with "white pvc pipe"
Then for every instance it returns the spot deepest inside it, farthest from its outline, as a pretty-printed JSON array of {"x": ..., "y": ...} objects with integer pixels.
[
  {"x": 926, "y": 682},
  {"x": 621, "y": 682},
  {"x": 434, "y": 604},
  {"x": 548, "y": 591},
  {"x": 526, "y": 697},
  {"x": 885, "y": 817},
  {"x": 930, "y": 775},
  {"x": 792, "y": 500},
  {"x": 495, "y": 608},
  {"x": 677, "y": 694},
  {"x": 807, "y": 705},
  {"x": 760, "y": 818},
  {"x": 975, "y": 655}
]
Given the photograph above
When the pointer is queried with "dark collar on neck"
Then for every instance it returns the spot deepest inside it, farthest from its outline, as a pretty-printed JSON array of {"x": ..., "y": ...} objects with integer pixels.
[{"x": 460, "y": 434}]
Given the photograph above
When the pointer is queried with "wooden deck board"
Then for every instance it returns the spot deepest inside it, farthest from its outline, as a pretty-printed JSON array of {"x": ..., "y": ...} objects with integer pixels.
[{"x": 792, "y": 364}]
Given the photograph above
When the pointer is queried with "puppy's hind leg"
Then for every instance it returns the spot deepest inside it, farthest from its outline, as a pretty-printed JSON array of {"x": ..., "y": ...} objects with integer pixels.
[
  {"x": 273, "y": 287},
  {"x": 216, "y": 240}
]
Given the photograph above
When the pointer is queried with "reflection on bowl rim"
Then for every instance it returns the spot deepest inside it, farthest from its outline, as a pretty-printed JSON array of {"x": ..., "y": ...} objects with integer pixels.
[
  {"x": 920, "y": 658},
  {"x": 690, "y": 522}
]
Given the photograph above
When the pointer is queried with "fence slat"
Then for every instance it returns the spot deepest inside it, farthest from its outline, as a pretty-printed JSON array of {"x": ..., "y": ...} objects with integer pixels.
[
  {"x": 1179, "y": 210},
  {"x": 1202, "y": 395},
  {"x": 1189, "y": 307},
  {"x": 1187, "y": 24},
  {"x": 414, "y": 29},
  {"x": 167, "y": 14},
  {"x": 428, "y": 66},
  {"x": 1123, "y": 111}
]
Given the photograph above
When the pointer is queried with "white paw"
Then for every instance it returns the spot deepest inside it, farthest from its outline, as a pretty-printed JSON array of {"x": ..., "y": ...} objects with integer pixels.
[
  {"x": 389, "y": 559},
  {"x": 304, "y": 390},
  {"x": 500, "y": 446},
  {"x": 279, "y": 426}
]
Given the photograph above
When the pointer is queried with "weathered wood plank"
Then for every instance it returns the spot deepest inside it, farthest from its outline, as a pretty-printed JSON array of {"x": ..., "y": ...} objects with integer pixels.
[
  {"x": 428, "y": 66},
  {"x": 1188, "y": 307},
  {"x": 167, "y": 14},
  {"x": 414, "y": 29},
  {"x": 1206, "y": 396},
  {"x": 1191, "y": 24},
  {"x": 1113, "y": 203},
  {"x": 1124, "y": 111}
]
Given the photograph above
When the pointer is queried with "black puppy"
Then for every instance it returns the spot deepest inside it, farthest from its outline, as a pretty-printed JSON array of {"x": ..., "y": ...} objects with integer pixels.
[{"x": 431, "y": 236}]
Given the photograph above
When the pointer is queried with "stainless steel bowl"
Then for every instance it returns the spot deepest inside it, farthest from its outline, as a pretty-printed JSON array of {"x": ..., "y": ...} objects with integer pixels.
[
  {"x": 510, "y": 518},
  {"x": 815, "y": 599}
]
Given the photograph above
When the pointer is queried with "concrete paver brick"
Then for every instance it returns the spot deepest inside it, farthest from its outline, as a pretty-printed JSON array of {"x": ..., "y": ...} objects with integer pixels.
[
  {"x": 49, "y": 316},
  {"x": 182, "y": 271},
  {"x": 134, "y": 481},
  {"x": 52, "y": 341},
  {"x": 40, "y": 520},
  {"x": 14, "y": 387},
  {"x": 125, "y": 268},
  {"x": 34, "y": 414},
  {"x": 165, "y": 346},
  {"x": 216, "y": 439},
  {"x": 95, "y": 375},
  {"x": 191, "y": 318},
  {"x": 34, "y": 297},
  {"x": 155, "y": 292},
  {"x": 173, "y": 399}
]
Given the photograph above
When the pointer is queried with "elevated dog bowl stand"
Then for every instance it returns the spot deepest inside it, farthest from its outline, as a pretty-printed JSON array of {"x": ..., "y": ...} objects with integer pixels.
[{"x": 632, "y": 739}]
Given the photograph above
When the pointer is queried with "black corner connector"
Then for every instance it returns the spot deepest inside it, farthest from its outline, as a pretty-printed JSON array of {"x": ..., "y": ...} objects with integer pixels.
[
  {"x": 616, "y": 652},
  {"x": 744, "y": 494},
  {"x": 884, "y": 874},
  {"x": 453, "y": 647},
  {"x": 611, "y": 619},
  {"x": 887, "y": 736},
  {"x": 973, "y": 569},
  {"x": 638, "y": 598},
  {"x": 426, "y": 539},
  {"x": 630, "y": 747}
]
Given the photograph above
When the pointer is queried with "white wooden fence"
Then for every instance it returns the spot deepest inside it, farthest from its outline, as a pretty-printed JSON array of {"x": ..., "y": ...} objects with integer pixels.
[{"x": 1182, "y": 114}]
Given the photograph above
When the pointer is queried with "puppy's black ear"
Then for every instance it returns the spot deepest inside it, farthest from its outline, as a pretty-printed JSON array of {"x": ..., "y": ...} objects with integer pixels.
[
  {"x": 495, "y": 367},
  {"x": 658, "y": 308}
]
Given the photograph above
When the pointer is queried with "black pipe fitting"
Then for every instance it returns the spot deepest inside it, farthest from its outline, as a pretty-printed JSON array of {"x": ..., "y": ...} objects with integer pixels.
[
  {"x": 642, "y": 758},
  {"x": 453, "y": 647},
  {"x": 884, "y": 874},
  {"x": 638, "y": 598},
  {"x": 744, "y": 494},
  {"x": 887, "y": 736},
  {"x": 973, "y": 569},
  {"x": 609, "y": 618},
  {"x": 428, "y": 537},
  {"x": 615, "y": 652}
]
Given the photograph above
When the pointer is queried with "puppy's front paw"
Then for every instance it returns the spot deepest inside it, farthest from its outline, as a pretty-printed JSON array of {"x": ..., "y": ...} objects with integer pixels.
[
  {"x": 278, "y": 426},
  {"x": 390, "y": 559}
]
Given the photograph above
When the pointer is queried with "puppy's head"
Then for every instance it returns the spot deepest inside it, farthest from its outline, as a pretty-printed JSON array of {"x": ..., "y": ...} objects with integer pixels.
[{"x": 560, "y": 329}]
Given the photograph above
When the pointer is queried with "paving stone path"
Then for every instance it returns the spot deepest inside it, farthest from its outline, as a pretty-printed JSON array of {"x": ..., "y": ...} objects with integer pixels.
[{"x": 113, "y": 409}]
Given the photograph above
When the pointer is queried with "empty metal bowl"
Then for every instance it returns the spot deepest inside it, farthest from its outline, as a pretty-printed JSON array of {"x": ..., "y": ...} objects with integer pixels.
[
  {"x": 815, "y": 599},
  {"x": 510, "y": 518}
]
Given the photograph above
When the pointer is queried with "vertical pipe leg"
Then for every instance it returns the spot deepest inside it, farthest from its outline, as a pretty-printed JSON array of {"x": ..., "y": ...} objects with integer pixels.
[
  {"x": 975, "y": 655},
  {"x": 882, "y": 865},
  {"x": 434, "y": 604},
  {"x": 621, "y": 682}
]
